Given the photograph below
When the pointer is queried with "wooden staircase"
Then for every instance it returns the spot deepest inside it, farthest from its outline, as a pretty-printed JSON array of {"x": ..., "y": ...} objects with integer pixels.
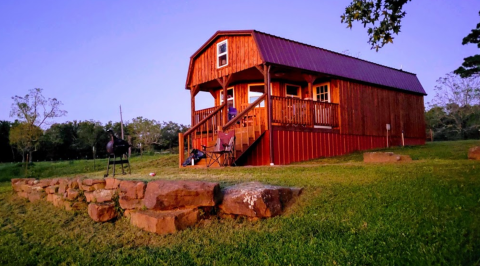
[{"x": 249, "y": 126}]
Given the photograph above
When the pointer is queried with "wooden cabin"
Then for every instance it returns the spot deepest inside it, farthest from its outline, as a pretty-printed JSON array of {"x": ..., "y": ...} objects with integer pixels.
[{"x": 296, "y": 102}]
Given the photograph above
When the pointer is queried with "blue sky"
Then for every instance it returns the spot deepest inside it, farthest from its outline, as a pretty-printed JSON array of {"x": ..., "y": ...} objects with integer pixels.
[{"x": 97, "y": 55}]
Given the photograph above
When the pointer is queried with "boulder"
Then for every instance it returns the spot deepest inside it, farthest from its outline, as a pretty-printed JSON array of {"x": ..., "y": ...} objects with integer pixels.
[
  {"x": 21, "y": 180},
  {"x": 255, "y": 199},
  {"x": 51, "y": 189},
  {"x": 54, "y": 181},
  {"x": 87, "y": 188},
  {"x": 58, "y": 200},
  {"x": 132, "y": 189},
  {"x": 384, "y": 157},
  {"x": 63, "y": 186},
  {"x": 89, "y": 196},
  {"x": 164, "y": 222},
  {"x": 74, "y": 183},
  {"x": 103, "y": 195},
  {"x": 26, "y": 188},
  {"x": 35, "y": 196},
  {"x": 43, "y": 183},
  {"x": 91, "y": 182},
  {"x": 50, "y": 197},
  {"x": 72, "y": 194},
  {"x": 101, "y": 212},
  {"x": 167, "y": 195},
  {"x": 127, "y": 203},
  {"x": 112, "y": 183},
  {"x": 474, "y": 153}
]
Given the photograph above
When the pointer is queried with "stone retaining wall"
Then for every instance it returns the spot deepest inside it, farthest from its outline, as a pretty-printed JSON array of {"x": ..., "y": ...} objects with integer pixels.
[{"x": 160, "y": 206}]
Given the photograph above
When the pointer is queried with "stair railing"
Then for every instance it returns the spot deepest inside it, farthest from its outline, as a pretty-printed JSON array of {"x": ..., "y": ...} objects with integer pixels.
[{"x": 201, "y": 133}]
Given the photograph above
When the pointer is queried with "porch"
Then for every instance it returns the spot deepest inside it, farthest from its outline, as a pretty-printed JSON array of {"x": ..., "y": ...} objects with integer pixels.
[{"x": 251, "y": 122}]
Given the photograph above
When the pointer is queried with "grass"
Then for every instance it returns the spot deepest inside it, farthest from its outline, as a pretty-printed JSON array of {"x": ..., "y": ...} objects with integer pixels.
[{"x": 419, "y": 213}]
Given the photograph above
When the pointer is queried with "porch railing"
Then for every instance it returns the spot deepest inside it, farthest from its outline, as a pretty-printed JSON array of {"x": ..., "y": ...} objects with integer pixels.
[
  {"x": 201, "y": 114},
  {"x": 293, "y": 111}
]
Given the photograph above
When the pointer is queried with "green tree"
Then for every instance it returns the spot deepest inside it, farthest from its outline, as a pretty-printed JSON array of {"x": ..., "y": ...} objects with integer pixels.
[
  {"x": 471, "y": 64},
  {"x": 455, "y": 109},
  {"x": 25, "y": 137},
  {"x": 146, "y": 132},
  {"x": 382, "y": 17},
  {"x": 5, "y": 142},
  {"x": 35, "y": 111},
  {"x": 170, "y": 132},
  {"x": 90, "y": 133}
]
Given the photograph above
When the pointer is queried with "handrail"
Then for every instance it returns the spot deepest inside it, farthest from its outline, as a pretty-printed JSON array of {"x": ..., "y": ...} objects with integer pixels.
[
  {"x": 240, "y": 116},
  {"x": 203, "y": 120}
]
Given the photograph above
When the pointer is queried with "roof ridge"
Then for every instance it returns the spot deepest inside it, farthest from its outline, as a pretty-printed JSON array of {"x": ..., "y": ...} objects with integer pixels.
[{"x": 320, "y": 48}]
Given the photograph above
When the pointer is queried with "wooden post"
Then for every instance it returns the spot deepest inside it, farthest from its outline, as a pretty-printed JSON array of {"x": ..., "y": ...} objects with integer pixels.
[
  {"x": 269, "y": 113},
  {"x": 181, "y": 153},
  {"x": 225, "y": 112}
]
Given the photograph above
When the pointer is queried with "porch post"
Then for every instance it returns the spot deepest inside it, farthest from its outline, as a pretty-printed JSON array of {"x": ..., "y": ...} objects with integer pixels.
[
  {"x": 225, "y": 109},
  {"x": 192, "y": 103},
  {"x": 270, "y": 111}
]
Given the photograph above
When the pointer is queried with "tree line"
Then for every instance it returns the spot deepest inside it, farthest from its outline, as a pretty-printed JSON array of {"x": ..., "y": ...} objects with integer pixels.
[
  {"x": 33, "y": 137},
  {"x": 84, "y": 139}
]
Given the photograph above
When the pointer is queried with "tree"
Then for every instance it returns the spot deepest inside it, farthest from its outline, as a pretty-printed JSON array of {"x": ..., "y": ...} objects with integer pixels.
[
  {"x": 471, "y": 64},
  {"x": 89, "y": 133},
  {"x": 24, "y": 136},
  {"x": 170, "y": 132},
  {"x": 383, "y": 18},
  {"x": 455, "y": 108},
  {"x": 35, "y": 111},
  {"x": 5, "y": 141},
  {"x": 146, "y": 132}
]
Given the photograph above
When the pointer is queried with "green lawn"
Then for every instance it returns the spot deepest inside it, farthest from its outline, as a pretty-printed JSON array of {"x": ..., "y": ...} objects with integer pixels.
[{"x": 420, "y": 213}]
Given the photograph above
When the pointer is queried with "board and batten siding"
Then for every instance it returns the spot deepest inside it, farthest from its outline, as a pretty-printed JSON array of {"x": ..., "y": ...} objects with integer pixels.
[
  {"x": 242, "y": 54},
  {"x": 365, "y": 110}
]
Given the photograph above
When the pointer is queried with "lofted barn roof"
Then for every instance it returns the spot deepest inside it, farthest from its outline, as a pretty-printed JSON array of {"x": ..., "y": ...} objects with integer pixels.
[{"x": 285, "y": 52}]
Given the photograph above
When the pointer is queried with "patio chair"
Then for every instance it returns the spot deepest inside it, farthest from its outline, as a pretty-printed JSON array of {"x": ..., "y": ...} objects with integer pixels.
[{"x": 224, "y": 148}]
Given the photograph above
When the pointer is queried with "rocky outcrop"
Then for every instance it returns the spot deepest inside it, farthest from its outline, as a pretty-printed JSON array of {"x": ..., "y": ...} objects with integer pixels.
[
  {"x": 384, "y": 157},
  {"x": 172, "y": 205}
]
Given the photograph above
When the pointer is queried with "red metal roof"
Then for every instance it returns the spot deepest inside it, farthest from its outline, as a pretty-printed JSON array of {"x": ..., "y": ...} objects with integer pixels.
[
  {"x": 281, "y": 51},
  {"x": 285, "y": 52}
]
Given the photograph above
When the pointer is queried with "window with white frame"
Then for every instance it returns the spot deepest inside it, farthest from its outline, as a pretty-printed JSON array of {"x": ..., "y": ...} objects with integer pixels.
[
  {"x": 254, "y": 92},
  {"x": 222, "y": 54},
  {"x": 230, "y": 97},
  {"x": 321, "y": 92},
  {"x": 292, "y": 91}
]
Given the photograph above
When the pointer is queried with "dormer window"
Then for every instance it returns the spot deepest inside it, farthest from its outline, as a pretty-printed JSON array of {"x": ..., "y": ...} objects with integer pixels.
[{"x": 222, "y": 54}]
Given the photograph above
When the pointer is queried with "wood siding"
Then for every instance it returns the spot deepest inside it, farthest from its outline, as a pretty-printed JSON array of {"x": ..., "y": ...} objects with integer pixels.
[
  {"x": 242, "y": 54},
  {"x": 365, "y": 110},
  {"x": 295, "y": 146}
]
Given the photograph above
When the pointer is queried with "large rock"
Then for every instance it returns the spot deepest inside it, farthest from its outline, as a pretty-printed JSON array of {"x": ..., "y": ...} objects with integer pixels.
[
  {"x": 51, "y": 189},
  {"x": 164, "y": 222},
  {"x": 103, "y": 195},
  {"x": 112, "y": 183},
  {"x": 127, "y": 203},
  {"x": 255, "y": 199},
  {"x": 384, "y": 157},
  {"x": 57, "y": 200},
  {"x": 474, "y": 153},
  {"x": 72, "y": 194},
  {"x": 35, "y": 196},
  {"x": 102, "y": 212},
  {"x": 91, "y": 182},
  {"x": 132, "y": 189},
  {"x": 167, "y": 195}
]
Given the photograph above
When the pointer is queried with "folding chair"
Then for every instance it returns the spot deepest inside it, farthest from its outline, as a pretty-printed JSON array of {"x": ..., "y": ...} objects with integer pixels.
[{"x": 223, "y": 148}]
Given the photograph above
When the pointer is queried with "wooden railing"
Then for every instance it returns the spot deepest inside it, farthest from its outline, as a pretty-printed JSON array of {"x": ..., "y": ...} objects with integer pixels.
[
  {"x": 202, "y": 132},
  {"x": 293, "y": 111},
  {"x": 201, "y": 114}
]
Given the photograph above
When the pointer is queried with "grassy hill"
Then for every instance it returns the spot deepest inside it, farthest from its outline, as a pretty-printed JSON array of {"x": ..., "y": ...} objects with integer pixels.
[{"x": 423, "y": 212}]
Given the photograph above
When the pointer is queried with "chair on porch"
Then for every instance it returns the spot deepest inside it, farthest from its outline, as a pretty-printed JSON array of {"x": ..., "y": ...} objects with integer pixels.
[{"x": 224, "y": 148}]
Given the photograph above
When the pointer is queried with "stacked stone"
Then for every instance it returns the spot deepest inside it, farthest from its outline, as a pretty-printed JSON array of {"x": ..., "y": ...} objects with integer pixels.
[{"x": 160, "y": 206}]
